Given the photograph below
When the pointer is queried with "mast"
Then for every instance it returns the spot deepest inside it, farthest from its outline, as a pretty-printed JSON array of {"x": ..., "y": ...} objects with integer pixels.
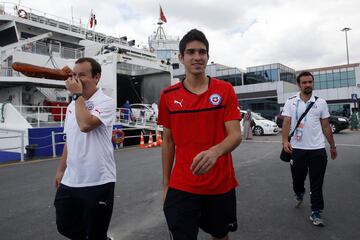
[{"x": 160, "y": 33}]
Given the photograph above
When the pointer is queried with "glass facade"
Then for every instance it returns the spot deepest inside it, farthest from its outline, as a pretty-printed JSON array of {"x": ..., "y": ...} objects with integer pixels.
[
  {"x": 267, "y": 107},
  {"x": 235, "y": 79},
  {"x": 334, "y": 78},
  {"x": 269, "y": 73},
  {"x": 340, "y": 109}
]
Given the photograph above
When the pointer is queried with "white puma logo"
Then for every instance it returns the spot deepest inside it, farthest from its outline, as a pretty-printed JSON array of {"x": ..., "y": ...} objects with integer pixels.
[
  {"x": 180, "y": 103},
  {"x": 102, "y": 203},
  {"x": 232, "y": 225}
]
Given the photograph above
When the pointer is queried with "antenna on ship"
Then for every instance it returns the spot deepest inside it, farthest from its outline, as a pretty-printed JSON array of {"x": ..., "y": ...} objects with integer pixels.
[{"x": 160, "y": 33}]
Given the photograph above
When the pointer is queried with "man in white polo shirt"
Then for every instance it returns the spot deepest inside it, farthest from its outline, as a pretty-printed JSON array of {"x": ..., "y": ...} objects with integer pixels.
[
  {"x": 308, "y": 144},
  {"x": 86, "y": 175}
]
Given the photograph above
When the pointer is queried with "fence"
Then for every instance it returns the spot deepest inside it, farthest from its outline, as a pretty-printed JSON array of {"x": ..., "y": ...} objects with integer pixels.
[
  {"x": 43, "y": 116},
  {"x": 19, "y": 134},
  {"x": 43, "y": 48},
  {"x": 54, "y": 143},
  {"x": 50, "y": 116},
  {"x": 47, "y": 118}
]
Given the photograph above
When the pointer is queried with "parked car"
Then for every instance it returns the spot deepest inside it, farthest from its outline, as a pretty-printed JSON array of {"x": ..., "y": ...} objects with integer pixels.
[
  {"x": 279, "y": 119},
  {"x": 143, "y": 111},
  {"x": 261, "y": 125},
  {"x": 337, "y": 123}
]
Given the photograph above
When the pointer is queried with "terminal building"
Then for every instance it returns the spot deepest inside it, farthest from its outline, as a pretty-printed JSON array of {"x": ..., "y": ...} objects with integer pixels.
[
  {"x": 339, "y": 85},
  {"x": 265, "y": 88}
]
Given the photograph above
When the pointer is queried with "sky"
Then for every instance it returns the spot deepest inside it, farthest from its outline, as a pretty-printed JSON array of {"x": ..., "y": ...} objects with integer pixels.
[{"x": 300, "y": 34}]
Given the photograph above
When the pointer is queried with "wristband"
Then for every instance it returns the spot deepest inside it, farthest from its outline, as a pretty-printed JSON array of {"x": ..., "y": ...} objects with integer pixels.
[{"x": 76, "y": 96}]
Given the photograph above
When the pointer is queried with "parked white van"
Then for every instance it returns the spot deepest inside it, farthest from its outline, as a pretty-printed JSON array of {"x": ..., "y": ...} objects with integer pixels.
[{"x": 262, "y": 125}]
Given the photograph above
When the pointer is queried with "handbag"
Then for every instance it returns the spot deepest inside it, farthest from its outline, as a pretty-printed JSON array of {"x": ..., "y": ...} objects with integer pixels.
[{"x": 284, "y": 156}]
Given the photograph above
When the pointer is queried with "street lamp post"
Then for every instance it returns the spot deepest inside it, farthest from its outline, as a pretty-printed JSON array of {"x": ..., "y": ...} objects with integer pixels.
[{"x": 346, "y": 29}]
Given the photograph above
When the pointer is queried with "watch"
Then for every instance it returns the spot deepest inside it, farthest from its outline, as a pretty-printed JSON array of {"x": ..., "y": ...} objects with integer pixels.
[{"x": 76, "y": 96}]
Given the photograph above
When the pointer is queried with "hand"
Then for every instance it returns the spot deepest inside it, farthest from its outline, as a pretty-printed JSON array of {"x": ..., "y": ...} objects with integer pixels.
[
  {"x": 57, "y": 179},
  {"x": 203, "y": 162},
  {"x": 287, "y": 147},
  {"x": 74, "y": 85},
  {"x": 333, "y": 153}
]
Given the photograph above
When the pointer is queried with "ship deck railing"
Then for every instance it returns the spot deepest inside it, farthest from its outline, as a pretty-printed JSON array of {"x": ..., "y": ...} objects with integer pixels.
[
  {"x": 75, "y": 25},
  {"x": 6, "y": 136},
  {"x": 54, "y": 116},
  {"x": 8, "y": 72},
  {"x": 43, "y": 48}
]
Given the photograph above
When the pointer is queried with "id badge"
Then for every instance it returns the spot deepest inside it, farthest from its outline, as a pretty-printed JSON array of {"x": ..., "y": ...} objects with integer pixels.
[{"x": 298, "y": 134}]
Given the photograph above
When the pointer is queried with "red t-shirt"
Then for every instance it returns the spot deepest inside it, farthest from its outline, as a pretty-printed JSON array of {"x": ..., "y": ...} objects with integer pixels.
[{"x": 197, "y": 124}]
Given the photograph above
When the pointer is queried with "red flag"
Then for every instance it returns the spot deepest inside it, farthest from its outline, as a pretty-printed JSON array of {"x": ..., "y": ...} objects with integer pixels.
[
  {"x": 162, "y": 15},
  {"x": 91, "y": 21}
]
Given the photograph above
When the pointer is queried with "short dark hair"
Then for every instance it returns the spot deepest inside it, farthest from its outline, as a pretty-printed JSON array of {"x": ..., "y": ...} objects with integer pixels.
[
  {"x": 95, "y": 66},
  {"x": 193, "y": 35},
  {"x": 302, "y": 74}
]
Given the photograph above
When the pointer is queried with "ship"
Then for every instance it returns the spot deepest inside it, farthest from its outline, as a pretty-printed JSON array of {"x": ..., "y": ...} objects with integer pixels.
[{"x": 36, "y": 48}]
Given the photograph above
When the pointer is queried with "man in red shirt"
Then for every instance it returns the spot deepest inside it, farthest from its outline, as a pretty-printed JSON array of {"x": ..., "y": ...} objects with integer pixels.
[{"x": 201, "y": 127}]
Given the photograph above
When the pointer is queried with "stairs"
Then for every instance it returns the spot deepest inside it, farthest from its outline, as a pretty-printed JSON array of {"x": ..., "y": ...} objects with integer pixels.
[{"x": 52, "y": 94}]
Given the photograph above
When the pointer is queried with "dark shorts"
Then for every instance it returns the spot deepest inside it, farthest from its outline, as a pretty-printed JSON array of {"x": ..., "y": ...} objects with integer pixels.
[
  {"x": 185, "y": 212},
  {"x": 84, "y": 212}
]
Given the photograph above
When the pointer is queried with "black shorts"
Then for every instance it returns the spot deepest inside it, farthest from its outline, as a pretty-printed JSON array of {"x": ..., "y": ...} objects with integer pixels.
[
  {"x": 84, "y": 212},
  {"x": 185, "y": 212}
]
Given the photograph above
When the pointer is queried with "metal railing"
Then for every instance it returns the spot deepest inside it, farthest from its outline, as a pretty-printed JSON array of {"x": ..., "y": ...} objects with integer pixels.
[
  {"x": 43, "y": 48},
  {"x": 8, "y": 72},
  {"x": 18, "y": 134},
  {"x": 117, "y": 146},
  {"x": 52, "y": 116},
  {"x": 75, "y": 25},
  {"x": 54, "y": 143},
  {"x": 43, "y": 116}
]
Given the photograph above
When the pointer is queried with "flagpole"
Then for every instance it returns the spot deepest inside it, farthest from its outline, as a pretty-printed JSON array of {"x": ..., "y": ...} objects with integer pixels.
[
  {"x": 72, "y": 16},
  {"x": 87, "y": 25}
]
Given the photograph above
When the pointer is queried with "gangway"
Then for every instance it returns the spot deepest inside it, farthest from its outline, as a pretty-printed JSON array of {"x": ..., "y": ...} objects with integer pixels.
[{"x": 123, "y": 118}]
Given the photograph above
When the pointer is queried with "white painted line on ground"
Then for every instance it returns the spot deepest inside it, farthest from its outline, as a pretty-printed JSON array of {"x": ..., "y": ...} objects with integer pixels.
[{"x": 338, "y": 144}]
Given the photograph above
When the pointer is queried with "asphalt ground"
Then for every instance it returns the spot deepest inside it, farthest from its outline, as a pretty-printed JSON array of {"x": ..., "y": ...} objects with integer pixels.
[{"x": 265, "y": 202}]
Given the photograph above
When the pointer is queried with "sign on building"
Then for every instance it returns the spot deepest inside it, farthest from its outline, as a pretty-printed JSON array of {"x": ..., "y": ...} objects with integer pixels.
[{"x": 354, "y": 97}]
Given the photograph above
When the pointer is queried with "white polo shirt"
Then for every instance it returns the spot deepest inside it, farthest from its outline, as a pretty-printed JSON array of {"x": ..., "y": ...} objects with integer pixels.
[
  {"x": 90, "y": 158},
  {"x": 312, "y": 136}
]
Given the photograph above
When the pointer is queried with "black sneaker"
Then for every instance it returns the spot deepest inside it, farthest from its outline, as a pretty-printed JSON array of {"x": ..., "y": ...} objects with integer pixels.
[
  {"x": 299, "y": 199},
  {"x": 316, "y": 219}
]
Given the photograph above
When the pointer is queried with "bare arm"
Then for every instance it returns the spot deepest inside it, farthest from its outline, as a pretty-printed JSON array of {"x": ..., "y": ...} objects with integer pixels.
[
  {"x": 84, "y": 118},
  {"x": 205, "y": 160},
  {"x": 285, "y": 134},
  {"x": 168, "y": 155},
  {"x": 61, "y": 168},
  {"x": 329, "y": 137}
]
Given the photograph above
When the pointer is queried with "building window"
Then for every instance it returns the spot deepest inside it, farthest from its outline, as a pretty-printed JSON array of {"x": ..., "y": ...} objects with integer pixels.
[
  {"x": 334, "y": 78},
  {"x": 267, "y": 107},
  {"x": 339, "y": 109},
  {"x": 352, "y": 82}
]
